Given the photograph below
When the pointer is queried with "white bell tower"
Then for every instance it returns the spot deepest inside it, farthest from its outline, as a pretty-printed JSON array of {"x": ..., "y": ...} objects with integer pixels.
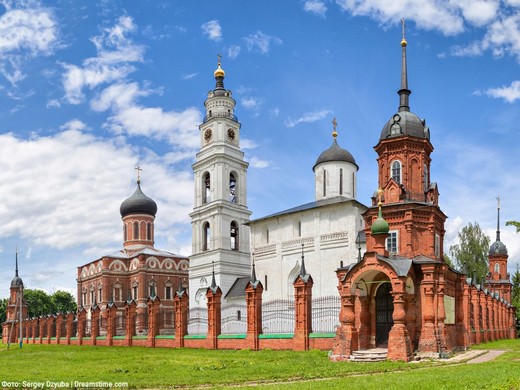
[{"x": 220, "y": 240}]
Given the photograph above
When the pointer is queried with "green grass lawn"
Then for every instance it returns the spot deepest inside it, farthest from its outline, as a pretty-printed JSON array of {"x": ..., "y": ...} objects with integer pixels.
[{"x": 157, "y": 367}]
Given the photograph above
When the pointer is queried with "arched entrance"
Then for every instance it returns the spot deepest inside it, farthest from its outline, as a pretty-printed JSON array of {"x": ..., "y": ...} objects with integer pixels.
[{"x": 384, "y": 310}]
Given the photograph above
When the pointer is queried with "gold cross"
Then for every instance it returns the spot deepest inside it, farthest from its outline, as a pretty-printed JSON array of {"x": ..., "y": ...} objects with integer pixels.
[
  {"x": 138, "y": 169},
  {"x": 380, "y": 196},
  {"x": 334, "y": 125},
  {"x": 219, "y": 58},
  {"x": 403, "y": 25}
]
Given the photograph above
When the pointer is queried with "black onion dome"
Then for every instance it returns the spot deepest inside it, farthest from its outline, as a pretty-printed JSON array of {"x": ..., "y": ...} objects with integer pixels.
[
  {"x": 405, "y": 123},
  {"x": 498, "y": 248},
  {"x": 138, "y": 203},
  {"x": 17, "y": 282},
  {"x": 335, "y": 153}
]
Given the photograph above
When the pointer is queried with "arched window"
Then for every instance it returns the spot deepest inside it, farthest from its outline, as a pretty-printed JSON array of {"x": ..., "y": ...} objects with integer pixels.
[
  {"x": 234, "y": 236},
  {"x": 149, "y": 231},
  {"x": 324, "y": 183},
  {"x": 497, "y": 268},
  {"x": 205, "y": 236},
  {"x": 396, "y": 171},
  {"x": 206, "y": 190},
  {"x": 136, "y": 230},
  {"x": 341, "y": 181},
  {"x": 232, "y": 188}
]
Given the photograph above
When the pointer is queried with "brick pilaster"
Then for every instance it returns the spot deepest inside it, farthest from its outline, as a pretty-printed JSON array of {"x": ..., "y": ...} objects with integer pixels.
[
  {"x": 68, "y": 327},
  {"x": 94, "y": 324},
  {"x": 130, "y": 312},
  {"x": 254, "y": 291},
  {"x": 153, "y": 320},
  {"x": 213, "y": 298},
  {"x": 180, "y": 303},
  {"x": 399, "y": 345}
]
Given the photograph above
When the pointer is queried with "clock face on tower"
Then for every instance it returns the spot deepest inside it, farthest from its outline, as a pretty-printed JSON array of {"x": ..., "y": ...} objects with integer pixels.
[
  {"x": 231, "y": 134},
  {"x": 207, "y": 135}
]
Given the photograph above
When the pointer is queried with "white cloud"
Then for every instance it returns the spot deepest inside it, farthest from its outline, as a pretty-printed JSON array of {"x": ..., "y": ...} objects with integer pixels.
[
  {"x": 503, "y": 36},
  {"x": 317, "y": 7},
  {"x": 509, "y": 93},
  {"x": 474, "y": 49},
  {"x": 258, "y": 163},
  {"x": 233, "y": 51},
  {"x": 247, "y": 144},
  {"x": 429, "y": 15},
  {"x": 251, "y": 103},
  {"x": 476, "y": 12},
  {"x": 212, "y": 30},
  {"x": 65, "y": 190},
  {"x": 308, "y": 117},
  {"x": 179, "y": 128},
  {"x": 115, "y": 53},
  {"x": 26, "y": 31},
  {"x": 189, "y": 76},
  {"x": 261, "y": 42}
]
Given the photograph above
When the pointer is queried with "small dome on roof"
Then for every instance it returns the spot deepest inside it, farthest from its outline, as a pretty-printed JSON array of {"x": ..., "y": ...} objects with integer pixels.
[
  {"x": 498, "y": 248},
  {"x": 16, "y": 282},
  {"x": 405, "y": 123},
  {"x": 335, "y": 153},
  {"x": 138, "y": 203}
]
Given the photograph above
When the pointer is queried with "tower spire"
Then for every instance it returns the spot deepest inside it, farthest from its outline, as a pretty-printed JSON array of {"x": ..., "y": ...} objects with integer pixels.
[
  {"x": 303, "y": 271},
  {"x": 498, "y": 218},
  {"x": 404, "y": 92},
  {"x": 253, "y": 272},
  {"x": 16, "y": 267}
]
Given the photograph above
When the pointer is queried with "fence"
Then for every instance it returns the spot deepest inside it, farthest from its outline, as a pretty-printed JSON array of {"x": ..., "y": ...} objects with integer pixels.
[
  {"x": 278, "y": 316},
  {"x": 325, "y": 314}
]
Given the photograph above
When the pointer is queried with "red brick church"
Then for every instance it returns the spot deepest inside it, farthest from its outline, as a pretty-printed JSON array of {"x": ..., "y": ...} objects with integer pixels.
[{"x": 401, "y": 294}]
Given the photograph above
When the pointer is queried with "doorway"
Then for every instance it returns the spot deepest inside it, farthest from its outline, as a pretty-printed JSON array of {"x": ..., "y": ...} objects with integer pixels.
[{"x": 384, "y": 311}]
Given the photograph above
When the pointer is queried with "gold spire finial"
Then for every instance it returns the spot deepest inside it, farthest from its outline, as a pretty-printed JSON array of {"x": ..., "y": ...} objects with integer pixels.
[
  {"x": 334, "y": 125},
  {"x": 139, "y": 170},
  {"x": 219, "y": 72},
  {"x": 403, "y": 25}
]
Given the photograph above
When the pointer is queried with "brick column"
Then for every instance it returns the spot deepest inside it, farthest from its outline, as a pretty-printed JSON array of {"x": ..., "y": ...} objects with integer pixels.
[
  {"x": 346, "y": 339},
  {"x": 491, "y": 319},
  {"x": 303, "y": 307},
  {"x": 180, "y": 303},
  {"x": 364, "y": 322},
  {"x": 48, "y": 327},
  {"x": 82, "y": 318},
  {"x": 111, "y": 313},
  {"x": 94, "y": 324},
  {"x": 427, "y": 340},
  {"x": 68, "y": 327},
  {"x": 213, "y": 298},
  {"x": 512, "y": 322},
  {"x": 399, "y": 345},
  {"x": 59, "y": 322},
  {"x": 153, "y": 320},
  {"x": 130, "y": 310},
  {"x": 441, "y": 316},
  {"x": 463, "y": 321},
  {"x": 35, "y": 330},
  {"x": 254, "y": 291}
]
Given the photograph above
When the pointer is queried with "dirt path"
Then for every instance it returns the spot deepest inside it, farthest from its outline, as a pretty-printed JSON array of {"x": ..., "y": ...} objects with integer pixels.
[{"x": 486, "y": 357}]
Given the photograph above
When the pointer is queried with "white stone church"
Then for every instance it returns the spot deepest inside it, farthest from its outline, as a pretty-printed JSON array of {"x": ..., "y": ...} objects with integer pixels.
[{"x": 225, "y": 241}]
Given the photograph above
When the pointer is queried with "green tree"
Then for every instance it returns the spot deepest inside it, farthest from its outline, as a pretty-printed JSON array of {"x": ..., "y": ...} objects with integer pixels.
[
  {"x": 38, "y": 302},
  {"x": 515, "y": 295},
  {"x": 471, "y": 253},
  {"x": 516, "y": 224},
  {"x": 62, "y": 301},
  {"x": 448, "y": 261},
  {"x": 3, "y": 311}
]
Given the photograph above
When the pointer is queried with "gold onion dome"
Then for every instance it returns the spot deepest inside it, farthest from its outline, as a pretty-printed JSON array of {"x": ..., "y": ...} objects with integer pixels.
[{"x": 219, "y": 72}]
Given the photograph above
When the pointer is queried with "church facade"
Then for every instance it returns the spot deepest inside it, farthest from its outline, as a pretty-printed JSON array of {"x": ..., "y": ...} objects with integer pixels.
[
  {"x": 328, "y": 231},
  {"x": 134, "y": 273}
]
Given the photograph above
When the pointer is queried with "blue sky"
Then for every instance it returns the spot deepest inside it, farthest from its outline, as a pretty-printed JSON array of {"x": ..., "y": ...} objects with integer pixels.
[{"x": 89, "y": 90}]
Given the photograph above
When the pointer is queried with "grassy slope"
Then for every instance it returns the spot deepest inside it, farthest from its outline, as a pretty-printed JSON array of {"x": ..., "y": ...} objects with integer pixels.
[{"x": 143, "y": 367}]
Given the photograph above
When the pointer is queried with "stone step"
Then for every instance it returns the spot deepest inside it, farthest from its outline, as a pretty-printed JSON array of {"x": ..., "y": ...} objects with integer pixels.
[{"x": 369, "y": 355}]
